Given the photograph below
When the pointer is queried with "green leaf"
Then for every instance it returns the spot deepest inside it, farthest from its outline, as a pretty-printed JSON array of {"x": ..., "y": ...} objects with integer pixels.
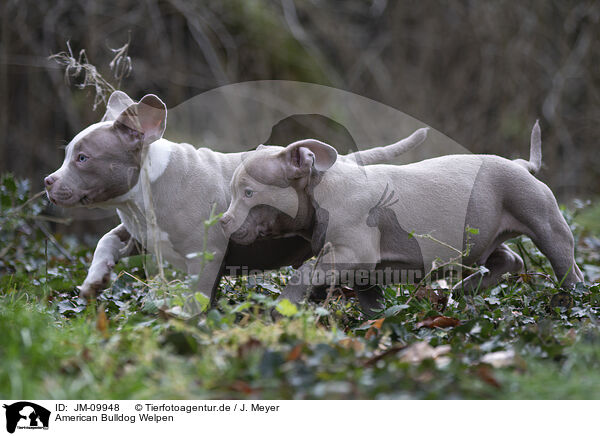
[
  {"x": 5, "y": 201},
  {"x": 9, "y": 183},
  {"x": 212, "y": 220},
  {"x": 493, "y": 300},
  {"x": 472, "y": 230},
  {"x": 202, "y": 299},
  {"x": 286, "y": 308},
  {"x": 394, "y": 310},
  {"x": 269, "y": 287}
]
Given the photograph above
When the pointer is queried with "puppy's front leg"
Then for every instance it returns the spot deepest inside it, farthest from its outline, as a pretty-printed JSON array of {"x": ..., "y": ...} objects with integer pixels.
[
  {"x": 298, "y": 287},
  {"x": 206, "y": 278},
  {"x": 207, "y": 273},
  {"x": 299, "y": 284},
  {"x": 111, "y": 247}
]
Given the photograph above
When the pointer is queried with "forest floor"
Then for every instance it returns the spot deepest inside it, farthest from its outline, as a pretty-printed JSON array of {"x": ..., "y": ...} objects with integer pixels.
[{"x": 512, "y": 341}]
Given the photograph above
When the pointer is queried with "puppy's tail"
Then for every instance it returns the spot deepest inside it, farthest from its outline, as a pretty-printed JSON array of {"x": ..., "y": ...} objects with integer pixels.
[
  {"x": 534, "y": 163},
  {"x": 380, "y": 155}
]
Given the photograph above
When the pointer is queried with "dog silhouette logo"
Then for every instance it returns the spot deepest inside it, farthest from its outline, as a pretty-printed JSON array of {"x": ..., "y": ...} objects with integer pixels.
[{"x": 26, "y": 415}]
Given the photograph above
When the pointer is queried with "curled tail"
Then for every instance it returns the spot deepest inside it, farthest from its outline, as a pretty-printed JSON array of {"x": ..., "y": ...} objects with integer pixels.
[
  {"x": 534, "y": 163},
  {"x": 385, "y": 154}
]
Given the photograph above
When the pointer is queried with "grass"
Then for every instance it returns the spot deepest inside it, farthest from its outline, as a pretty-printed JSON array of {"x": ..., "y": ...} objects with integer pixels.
[{"x": 510, "y": 343}]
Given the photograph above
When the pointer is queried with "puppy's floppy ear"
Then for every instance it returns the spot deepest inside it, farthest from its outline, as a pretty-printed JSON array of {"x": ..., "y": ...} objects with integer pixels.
[
  {"x": 117, "y": 103},
  {"x": 153, "y": 117},
  {"x": 148, "y": 117},
  {"x": 304, "y": 155}
]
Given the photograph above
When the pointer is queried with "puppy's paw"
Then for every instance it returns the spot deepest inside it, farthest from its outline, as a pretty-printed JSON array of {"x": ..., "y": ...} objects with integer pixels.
[
  {"x": 88, "y": 291},
  {"x": 91, "y": 289},
  {"x": 98, "y": 279}
]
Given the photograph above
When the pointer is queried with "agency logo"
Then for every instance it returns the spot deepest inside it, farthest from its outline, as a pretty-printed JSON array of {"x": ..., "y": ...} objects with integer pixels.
[{"x": 26, "y": 415}]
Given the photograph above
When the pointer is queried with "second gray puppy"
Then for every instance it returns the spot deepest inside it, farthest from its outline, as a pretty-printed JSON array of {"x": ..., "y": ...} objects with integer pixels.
[{"x": 369, "y": 215}]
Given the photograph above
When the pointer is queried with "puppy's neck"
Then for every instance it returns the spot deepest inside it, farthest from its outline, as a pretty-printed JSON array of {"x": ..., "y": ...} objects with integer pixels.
[
  {"x": 155, "y": 160},
  {"x": 319, "y": 217}
]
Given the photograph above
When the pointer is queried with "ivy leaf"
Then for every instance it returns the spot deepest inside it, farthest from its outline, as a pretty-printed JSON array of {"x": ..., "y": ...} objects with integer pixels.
[
  {"x": 65, "y": 306},
  {"x": 492, "y": 300},
  {"x": 202, "y": 299},
  {"x": 394, "y": 310},
  {"x": 286, "y": 308}
]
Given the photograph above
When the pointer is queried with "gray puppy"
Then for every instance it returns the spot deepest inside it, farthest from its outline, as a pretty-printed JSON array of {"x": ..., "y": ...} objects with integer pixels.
[
  {"x": 398, "y": 221},
  {"x": 164, "y": 191}
]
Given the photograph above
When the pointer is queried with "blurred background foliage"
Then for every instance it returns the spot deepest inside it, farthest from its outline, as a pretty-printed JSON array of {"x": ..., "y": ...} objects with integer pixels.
[{"x": 481, "y": 72}]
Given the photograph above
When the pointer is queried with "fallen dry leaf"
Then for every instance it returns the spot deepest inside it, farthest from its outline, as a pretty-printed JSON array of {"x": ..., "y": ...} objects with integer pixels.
[
  {"x": 295, "y": 352},
  {"x": 377, "y": 323},
  {"x": 375, "y": 327},
  {"x": 436, "y": 297},
  {"x": 241, "y": 386},
  {"x": 439, "y": 322},
  {"x": 248, "y": 346},
  {"x": 485, "y": 373},
  {"x": 102, "y": 321}
]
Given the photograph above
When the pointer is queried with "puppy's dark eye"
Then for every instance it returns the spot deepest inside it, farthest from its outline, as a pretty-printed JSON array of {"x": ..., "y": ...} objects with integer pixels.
[
  {"x": 82, "y": 157},
  {"x": 248, "y": 193}
]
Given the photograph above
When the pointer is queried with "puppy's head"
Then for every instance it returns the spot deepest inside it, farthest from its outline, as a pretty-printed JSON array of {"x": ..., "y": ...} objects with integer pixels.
[
  {"x": 103, "y": 161},
  {"x": 269, "y": 196}
]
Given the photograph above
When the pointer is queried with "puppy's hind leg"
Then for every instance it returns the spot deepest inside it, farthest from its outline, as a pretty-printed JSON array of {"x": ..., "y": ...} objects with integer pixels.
[
  {"x": 300, "y": 284},
  {"x": 555, "y": 241},
  {"x": 371, "y": 300},
  {"x": 501, "y": 261},
  {"x": 298, "y": 288}
]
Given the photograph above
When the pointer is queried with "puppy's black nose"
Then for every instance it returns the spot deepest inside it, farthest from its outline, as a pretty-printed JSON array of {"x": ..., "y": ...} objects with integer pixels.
[{"x": 48, "y": 181}]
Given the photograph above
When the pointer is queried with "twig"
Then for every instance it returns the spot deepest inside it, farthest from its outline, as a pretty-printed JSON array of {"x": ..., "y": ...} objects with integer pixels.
[
  {"x": 51, "y": 219},
  {"x": 74, "y": 67},
  {"x": 21, "y": 206},
  {"x": 52, "y": 239},
  {"x": 444, "y": 244},
  {"x": 133, "y": 277},
  {"x": 121, "y": 63}
]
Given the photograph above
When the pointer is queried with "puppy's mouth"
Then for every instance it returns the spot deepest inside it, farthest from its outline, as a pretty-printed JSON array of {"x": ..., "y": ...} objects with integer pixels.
[
  {"x": 50, "y": 197},
  {"x": 263, "y": 233},
  {"x": 60, "y": 198},
  {"x": 66, "y": 199},
  {"x": 243, "y": 237},
  {"x": 85, "y": 200}
]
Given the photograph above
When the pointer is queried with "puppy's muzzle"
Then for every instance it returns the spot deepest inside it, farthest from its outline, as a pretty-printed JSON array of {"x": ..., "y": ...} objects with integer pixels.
[{"x": 226, "y": 221}]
